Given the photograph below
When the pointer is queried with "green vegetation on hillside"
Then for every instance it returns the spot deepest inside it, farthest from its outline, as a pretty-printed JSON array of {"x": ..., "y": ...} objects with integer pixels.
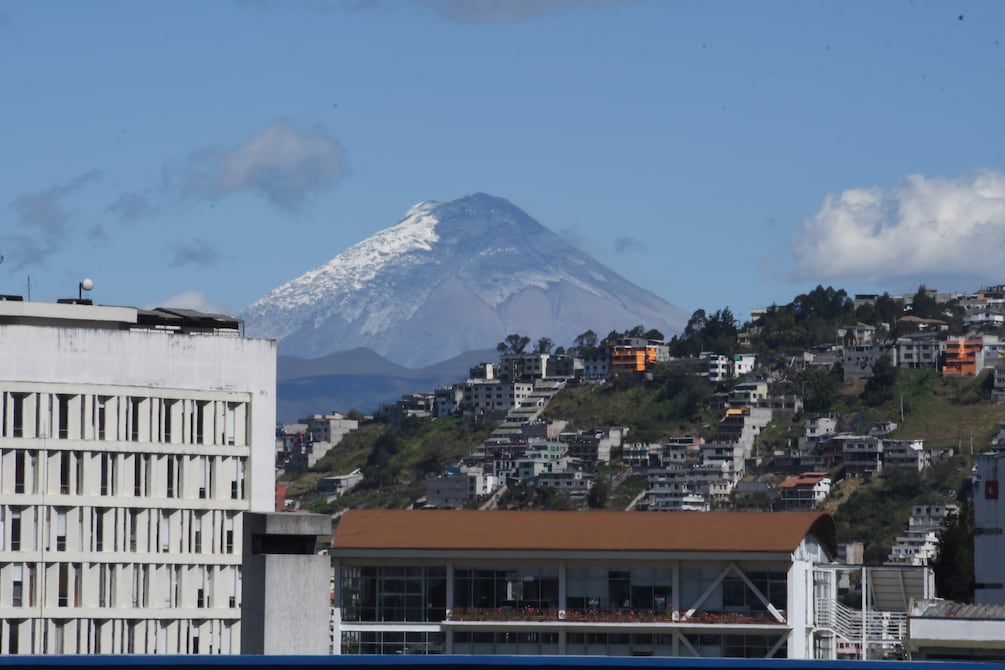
[{"x": 944, "y": 412}]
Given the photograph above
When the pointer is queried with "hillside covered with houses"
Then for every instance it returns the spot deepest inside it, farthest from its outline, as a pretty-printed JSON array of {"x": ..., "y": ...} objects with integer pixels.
[{"x": 819, "y": 403}]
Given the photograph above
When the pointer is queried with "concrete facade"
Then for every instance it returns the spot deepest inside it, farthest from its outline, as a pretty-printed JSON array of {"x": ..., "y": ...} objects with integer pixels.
[{"x": 132, "y": 444}]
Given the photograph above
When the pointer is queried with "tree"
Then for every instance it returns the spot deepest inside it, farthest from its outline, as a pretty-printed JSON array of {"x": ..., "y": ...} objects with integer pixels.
[
  {"x": 880, "y": 387},
  {"x": 653, "y": 334},
  {"x": 544, "y": 346},
  {"x": 954, "y": 566},
  {"x": 923, "y": 304},
  {"x": 598, "y": 495},
  {"x": 513, "y": 344},
  {"x": 585, "y": 343}
]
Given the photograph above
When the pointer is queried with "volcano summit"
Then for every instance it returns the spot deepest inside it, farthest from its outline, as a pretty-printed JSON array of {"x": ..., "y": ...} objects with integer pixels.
[{"x": 452, "y": 277}]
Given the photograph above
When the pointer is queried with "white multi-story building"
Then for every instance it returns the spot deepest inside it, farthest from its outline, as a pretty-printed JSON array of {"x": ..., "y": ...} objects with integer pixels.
[{"x": 133, "y": 444}]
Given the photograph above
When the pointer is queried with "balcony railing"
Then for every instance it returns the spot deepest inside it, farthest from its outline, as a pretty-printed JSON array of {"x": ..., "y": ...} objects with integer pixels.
[
  {"x": 883, "y": 628},
  {"x": 531, "y": 614}
]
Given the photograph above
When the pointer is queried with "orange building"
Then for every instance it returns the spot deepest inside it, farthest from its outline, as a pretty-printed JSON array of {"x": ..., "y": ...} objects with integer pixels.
[
  {"x": 635, "y": 355},
  {"x": 963, "y": 357}
]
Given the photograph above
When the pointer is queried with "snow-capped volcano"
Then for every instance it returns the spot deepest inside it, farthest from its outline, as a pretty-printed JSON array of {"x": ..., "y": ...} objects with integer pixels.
[{"x": 453, "y": 277}]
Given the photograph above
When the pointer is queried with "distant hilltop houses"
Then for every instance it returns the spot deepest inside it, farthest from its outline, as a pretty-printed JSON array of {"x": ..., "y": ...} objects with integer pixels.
[{"x": 687, "y": 472}]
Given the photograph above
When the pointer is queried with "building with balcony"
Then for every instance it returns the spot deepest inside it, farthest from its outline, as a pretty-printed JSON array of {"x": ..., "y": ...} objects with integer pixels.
[
  {"x": 740, "y": 584},
  {"x": 805, "y": 491},
  {"x": 962, "y": 357},
  {"x": 637, "y": 354}
]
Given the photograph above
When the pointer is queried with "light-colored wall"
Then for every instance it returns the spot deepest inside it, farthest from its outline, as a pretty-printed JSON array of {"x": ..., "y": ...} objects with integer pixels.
[{"x": 145, "y": 359}]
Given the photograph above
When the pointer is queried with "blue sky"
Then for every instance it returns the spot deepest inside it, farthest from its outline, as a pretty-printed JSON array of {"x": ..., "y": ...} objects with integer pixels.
[{"x": 716, "y": 153}]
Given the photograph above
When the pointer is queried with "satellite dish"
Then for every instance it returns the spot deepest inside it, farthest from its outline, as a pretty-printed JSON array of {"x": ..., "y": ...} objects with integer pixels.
[{"x": 87, "y": 284}]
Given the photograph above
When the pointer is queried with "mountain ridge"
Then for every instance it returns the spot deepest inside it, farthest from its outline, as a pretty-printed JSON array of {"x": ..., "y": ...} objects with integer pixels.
[{"x": 448, "y": 278}]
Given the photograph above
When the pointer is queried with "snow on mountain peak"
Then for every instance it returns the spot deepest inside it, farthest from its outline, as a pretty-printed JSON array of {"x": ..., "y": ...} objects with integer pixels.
[
  {"x": 452, "y": 275},
  {"x": 355, "y": 267}
]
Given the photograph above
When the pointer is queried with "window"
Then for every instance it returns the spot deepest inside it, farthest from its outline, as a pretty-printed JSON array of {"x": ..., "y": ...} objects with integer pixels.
[
  {"x": 63, "y": 586},
  {"x": 15, "y": 529},
  {"x": 235, "y": 579},
  {"x": 19, "y": 471},
  {"x": 99, "y": 410},
  {"x": 228, "y": 539},
  {"x": 737, "y": 596},
  {"x": 200, "y": 592},
  {"x": 135, "y": 407},
  {"x": 165, "y": 531},
  {"x": 18, "y": 427},
  {"x": 64, "y": 472},
  {"x": 133, "y": 514},
  {"x": 61, "y": 530},
  {"x": 197, "y": 533},
  {"x": 17, "y": 591},
  {"x": 235, "y": 480},
  {"x": 63, "y": 419},
  {"x": 167, "y": 410},
  {"x": 230, "y": 423},
  {"x": 107, "y": 468},
  {"x": 171, "y": 473},
  {"x": 203, "y": 476}
]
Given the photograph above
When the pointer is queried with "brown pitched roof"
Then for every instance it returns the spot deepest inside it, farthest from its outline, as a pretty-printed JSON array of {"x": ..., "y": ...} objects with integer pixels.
[
  {"x": 804, "y": 479},
  {"x": 456, "y": 530}
]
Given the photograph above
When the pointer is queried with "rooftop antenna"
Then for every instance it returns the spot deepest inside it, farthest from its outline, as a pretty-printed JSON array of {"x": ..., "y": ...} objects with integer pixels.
[{"x": 86, "y": 284}]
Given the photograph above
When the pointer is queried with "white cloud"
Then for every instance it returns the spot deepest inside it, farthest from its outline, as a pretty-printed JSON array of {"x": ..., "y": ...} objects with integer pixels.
[
  {"x": 283, "y": 164},
  {"x": 196, "y": 300},
  {"x": 919, "y": 228}
]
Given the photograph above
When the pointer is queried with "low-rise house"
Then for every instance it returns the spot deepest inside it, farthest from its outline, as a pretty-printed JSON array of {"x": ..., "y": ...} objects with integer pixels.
[
  {"x": 523, "y": 367},
  {"x": 919, "y": 544},
  {"x": 748, "y": 393},
  {"x": 329, "y": 428},
  {"x": 782, "y": 405},
  {"x": 484, "y": 396},
  {"x": 918, "y": 350},
  {"x": 458, "y": 487},
  {"x": 882, "y": 427},
  {"x": 564, "y": 365},
  {"x": 573, "y": 482},
  {"x": 906, "y": 454},
  {"x": 294, "y": 447},
  {"x": 716, "y": 367},
  {"x": 743, "y": 364},
  {"x": 333, "y": 487},
  {"x": 805, "y": 491},
  {"x": 857, "y": 334},
  {"x": 588, "y": 448},
  {"x": 448, "y": 400},
  {"x": 858, "y": 361},
  {"x": 986, "y": 318},
  {"x": 819, "y": 428},
  {"x": 862, "y": 454},
  {"x": 412, "y": 405},
  {"x": 919, "y": 324},
  {"x": 596, "y": 364}
]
